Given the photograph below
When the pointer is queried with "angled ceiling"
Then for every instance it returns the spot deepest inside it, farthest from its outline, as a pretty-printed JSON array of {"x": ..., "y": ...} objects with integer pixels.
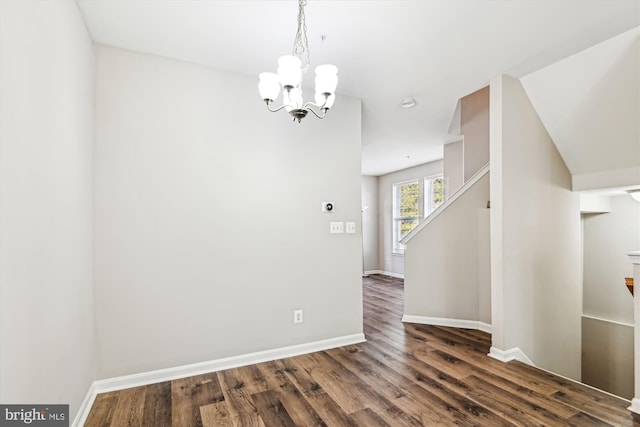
[
  {"x": 594, "y": 117},
  {"x": 435, "y": 51}
]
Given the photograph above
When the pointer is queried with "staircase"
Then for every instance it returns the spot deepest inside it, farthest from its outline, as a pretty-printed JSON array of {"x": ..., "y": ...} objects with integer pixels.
[{"x": 447, "y": 261}]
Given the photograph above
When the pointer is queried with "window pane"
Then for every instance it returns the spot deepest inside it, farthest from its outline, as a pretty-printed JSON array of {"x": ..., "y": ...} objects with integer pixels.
[
  {"x": 409, "y": 200},
  {"x": 438, "y": 192},
  {"x": 406, "y": 211},
  {"x": 406, "y": 225},
  {"x": 433, "y": 194}
]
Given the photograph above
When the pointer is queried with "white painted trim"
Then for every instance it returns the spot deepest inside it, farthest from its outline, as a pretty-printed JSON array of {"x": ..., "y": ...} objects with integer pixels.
[
  {"x": 485, "y": 327},
  {"x": 370, "y": 272},
  {"x": 390, "y": 274},
  {"x": 470, "y": 183},
  {"x": 159, "y": 375},
  {"x": 384, "y": 273},
  {"x": 168, "y": 374},
  {"x": 634, "y": 257},
  {"x": 629, "y": 325},
  {"x": 452, "y": 323},
  {"x": 509, "y": 355},
  {"x": 85, "y": 407},
  {"x": 635, "y": 405}
]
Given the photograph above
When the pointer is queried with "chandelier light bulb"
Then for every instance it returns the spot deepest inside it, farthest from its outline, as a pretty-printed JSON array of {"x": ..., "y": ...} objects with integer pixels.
[
  {"x": 289, "y": 70},
  {"x": 326, "y": 78},
  {"x": 269, "y": 86},
  {"x": 326, "y": 70},
  {"x": 292, "y": 99}
]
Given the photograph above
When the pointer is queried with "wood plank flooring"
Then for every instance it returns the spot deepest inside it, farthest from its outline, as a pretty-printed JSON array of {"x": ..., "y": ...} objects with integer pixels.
[{"x": 404, "y": 375}]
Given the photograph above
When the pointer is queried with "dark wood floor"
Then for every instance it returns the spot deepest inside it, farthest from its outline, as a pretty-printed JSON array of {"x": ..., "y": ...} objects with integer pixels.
[{"x": 405, "y": 374}]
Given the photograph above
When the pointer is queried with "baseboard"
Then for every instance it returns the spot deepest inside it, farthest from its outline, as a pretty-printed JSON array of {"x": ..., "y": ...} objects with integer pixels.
[
  {"x": 168, "y": 374},
  {"x": 635, "y": 405},
  {"x": 485, "y": 327},
  {"x": 85, "y": 407},
  {"x": 509, "y": 355},
  {"x": 384, "y": 273},
  {"x": 453, "y": 323}
]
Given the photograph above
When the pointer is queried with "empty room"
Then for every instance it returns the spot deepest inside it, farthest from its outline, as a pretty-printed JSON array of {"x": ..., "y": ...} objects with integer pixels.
[{"x": 319, "y": 212}]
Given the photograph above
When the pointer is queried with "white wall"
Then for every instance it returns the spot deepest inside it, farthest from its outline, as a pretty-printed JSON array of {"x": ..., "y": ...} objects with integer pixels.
[
  {"x": 447, "y": 262},
  {"x": 608, "y": 238},
  {"x": 47, "y": 339},
  {"x": 388, "y": 261},
  {"x": 209, "y": 230},
  {"x": 370, "y": 222},
  {"x": 607, "y": 335},
  {"x": 535, "y": 237},
  {"x": 474, "y": 125},
  {"x": 453, "y": 167}
]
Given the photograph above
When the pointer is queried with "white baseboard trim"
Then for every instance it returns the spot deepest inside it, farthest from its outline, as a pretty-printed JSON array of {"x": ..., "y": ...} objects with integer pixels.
[
  {"x": 85, "y": 407},
  {"x": 168, "y": 374},
  {"x": 384, "y": 273},
  {"x": 509, "y": 355},
  {"x": 452, "y": 323},
  {"x": 485, "y": 327},
  {"x": 635, "y": 405}
]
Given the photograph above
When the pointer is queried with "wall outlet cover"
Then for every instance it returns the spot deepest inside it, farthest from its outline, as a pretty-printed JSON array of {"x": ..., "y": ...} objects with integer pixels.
[{"x": 336, "y": 227}]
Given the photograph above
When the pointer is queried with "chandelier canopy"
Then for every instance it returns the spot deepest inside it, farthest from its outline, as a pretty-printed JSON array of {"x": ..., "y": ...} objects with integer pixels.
[{"x": 291, "y": 69}]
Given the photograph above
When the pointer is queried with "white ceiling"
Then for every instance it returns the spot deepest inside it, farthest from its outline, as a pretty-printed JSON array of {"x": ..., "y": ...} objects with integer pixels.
[
  {"x": 433, "y": 50},
  {"x": 594, "y": 117}
]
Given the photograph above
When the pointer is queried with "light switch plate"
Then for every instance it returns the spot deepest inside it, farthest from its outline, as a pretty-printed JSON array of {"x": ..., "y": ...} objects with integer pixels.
[
  {"x": 351, "y": 227},
  {"x": 336, "y": 227}
]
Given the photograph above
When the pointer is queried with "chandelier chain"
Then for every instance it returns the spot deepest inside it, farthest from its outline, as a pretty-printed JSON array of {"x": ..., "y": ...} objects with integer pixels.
[
  {"x": 301, "y": 43},
  {"x": 288, "y": 80}
]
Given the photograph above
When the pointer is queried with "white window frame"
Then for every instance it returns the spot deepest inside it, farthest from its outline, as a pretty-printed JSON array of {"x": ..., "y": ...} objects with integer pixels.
[
  {"x": 398, "y": 248},
  {"x": 429, "y": 205}
]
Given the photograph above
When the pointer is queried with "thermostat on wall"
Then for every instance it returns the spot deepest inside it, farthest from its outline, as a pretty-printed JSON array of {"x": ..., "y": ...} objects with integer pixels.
[{"x": 328, "y": 206}]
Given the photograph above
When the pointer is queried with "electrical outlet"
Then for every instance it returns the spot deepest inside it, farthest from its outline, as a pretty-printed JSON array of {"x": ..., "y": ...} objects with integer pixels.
[
  {"x": 351, "y": 227},
  {"x": 336, "y": 227},
  {"x": 297, "y": 316}
]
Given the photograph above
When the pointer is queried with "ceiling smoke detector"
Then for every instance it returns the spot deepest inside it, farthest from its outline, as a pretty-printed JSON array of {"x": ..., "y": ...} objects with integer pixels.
[{"x": 408, "y": 103}]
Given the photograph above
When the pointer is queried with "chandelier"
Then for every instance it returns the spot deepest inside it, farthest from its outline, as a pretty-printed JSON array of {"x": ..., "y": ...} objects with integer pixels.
[{"x": 290, "y": 71}]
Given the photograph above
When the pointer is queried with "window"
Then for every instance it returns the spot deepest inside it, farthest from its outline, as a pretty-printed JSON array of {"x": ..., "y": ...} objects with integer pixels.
[
  {"x": 406, "y": 211},
  {"x": 412, "y": 202},
  {"x": 433, "y": 194}
]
